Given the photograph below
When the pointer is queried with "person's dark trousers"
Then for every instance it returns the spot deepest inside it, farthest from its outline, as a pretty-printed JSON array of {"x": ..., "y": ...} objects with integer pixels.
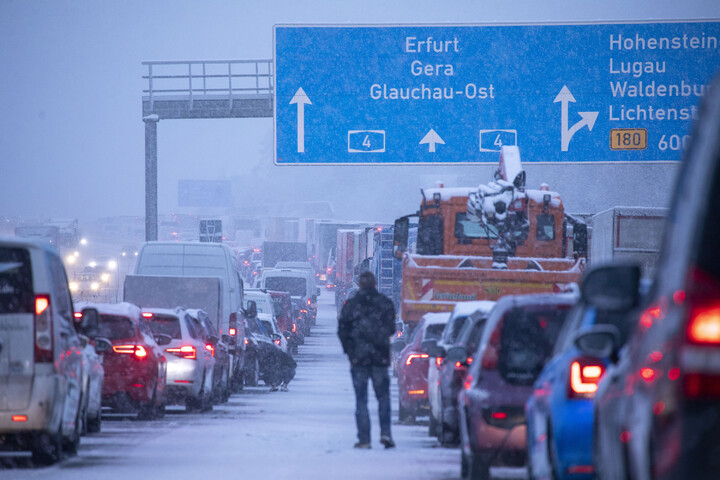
[{"x": 381, "y": 385}]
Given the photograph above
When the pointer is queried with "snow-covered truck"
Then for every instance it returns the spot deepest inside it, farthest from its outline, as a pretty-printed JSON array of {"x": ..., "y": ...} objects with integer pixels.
[
  {"x": 483, "y": 243},
  {"x": 628, "y": 234}
]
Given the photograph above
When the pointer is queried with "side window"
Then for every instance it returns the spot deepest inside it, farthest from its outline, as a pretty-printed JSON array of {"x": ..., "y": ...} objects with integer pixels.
[
  {"x": 545, "y": 227},
  {"x": 145, "y": 328},
  {"x": 191, "y": 327},
  {"x": 63, "y": 303}
]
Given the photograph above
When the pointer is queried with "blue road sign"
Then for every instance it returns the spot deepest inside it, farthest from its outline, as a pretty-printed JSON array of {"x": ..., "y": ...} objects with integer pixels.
[{"x": 455, "y": 94}]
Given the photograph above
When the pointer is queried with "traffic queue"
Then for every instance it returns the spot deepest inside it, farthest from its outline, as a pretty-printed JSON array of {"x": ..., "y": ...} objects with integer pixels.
[
  {"x": 180, "y": 338},
  {"x": 616, "y": 376}
]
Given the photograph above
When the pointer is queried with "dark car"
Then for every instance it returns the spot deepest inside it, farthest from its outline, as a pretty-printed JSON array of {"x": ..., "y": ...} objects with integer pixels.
[
  {"x": 282, "y": 305},
  {"x": 517, "y": 341},
  {"x": 657, "y": 410},
  {"x": 218, "y": 349},
  {"x": 453, "y": 365}
]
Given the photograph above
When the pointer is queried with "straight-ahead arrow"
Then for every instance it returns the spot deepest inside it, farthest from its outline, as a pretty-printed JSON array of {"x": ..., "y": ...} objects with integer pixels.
[
  {"x": 300, "y": 99},
  {"x": 432, "y": 138}
]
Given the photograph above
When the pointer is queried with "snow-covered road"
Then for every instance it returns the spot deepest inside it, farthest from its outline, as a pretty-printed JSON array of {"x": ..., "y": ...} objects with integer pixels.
[{"x": 306, "y": 433}]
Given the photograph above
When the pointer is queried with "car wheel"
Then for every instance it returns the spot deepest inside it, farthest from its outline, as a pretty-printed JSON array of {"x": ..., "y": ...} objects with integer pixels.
[
  {"x": 404, "y": 414},
  {"x": 551, "y": 453},
  {"x": 47, "y": 448},
  {"x": 478, "y": 469},
  {"x": 149, "y": 411},
  {"x": 94, "y": 424},
  {"x": 447, "y": 437},
  {"x": 433, "y": 426},
  {"x": 251, "y": 375}
]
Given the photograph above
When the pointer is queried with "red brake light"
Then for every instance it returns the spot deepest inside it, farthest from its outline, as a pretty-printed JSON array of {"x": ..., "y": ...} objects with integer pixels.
[
  {"x": 78, "y": 314},
  {"x": 468, "y": 382},
  {"x": 438, "y": 361},
  {"x": 247, "y": 341},
  {"x": 232, "y": 332},
  {"x": 277, "y": 342},
  {"x": 210, "y": 349},
  {"x": 414, "y": 356},
  {"x": 137, "y": 350},
  {"x": 147, "y": 315},
  {"x": 294, "y": 328},
  {"x": 585, "y": 374},
  {"x": 43, "y": 329},
  {"x": 308, "y": 302},
  {"x": 186, "y": 351},
  {"x": 499, "y": 415},
  {"x": 704, "y": 324},
  {"x": 19, "y": 418},
  {"x": 140, "y": 351}
]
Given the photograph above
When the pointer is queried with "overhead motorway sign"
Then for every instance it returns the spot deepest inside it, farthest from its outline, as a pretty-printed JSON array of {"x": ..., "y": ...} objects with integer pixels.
[{"x": 432, "y": 94}]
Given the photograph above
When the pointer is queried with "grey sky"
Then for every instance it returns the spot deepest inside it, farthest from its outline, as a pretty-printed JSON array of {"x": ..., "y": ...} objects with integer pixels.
[{"x": 72, "y": 139}]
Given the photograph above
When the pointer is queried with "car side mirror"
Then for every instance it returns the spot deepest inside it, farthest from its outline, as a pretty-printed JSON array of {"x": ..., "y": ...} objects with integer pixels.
[
  {"x": 226, "y": 338},
  {"x": 87, "y": 324},
  {"x": 162, "y": 339},
  {"x": 275, "y": 336},
  {"x": 457, "y": 353},
  {"x": 613, "y": 288},
  {"x": 102, "y": 345},
  {"x": 600, "y": 341}
]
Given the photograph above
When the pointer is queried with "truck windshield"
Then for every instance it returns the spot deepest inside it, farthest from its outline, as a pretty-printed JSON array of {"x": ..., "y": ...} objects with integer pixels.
[
  {"x": 467, "y": 229},
  {"x": 295, "y": 286}
]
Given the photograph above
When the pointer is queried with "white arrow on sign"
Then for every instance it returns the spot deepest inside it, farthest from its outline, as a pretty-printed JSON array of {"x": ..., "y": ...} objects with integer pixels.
[
  {"x": 301, "y": 99},
  {"x": 432, "y": 138},
  {"x": 588, "y": 118}
]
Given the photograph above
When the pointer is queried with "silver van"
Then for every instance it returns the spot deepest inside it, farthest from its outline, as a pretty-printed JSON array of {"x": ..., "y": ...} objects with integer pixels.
[
  {"x": 195, "y": 259},
  {"x": 40, "y": 353}
]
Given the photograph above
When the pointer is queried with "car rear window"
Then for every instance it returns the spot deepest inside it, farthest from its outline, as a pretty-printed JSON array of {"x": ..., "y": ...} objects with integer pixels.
[
  {"x": 527, "y": 336},
  {"x": 295, "y": 286},
  {"x": 16, "y": 283},
  {"x": 115, "y": 327},
  {"x": 165, "y": 324},
  {"x": 434, "y": 332}
]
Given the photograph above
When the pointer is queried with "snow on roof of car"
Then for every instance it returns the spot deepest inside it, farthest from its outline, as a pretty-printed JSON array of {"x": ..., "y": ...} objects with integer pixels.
[
  {"x": 436, "y": 318},
  {"x": 447, "y": 193},
  {"x": 124, "y": 309},
  {"x": 463, "y": 309}
]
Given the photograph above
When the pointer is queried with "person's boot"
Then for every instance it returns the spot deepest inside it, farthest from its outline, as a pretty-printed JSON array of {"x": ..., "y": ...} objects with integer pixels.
[
  {"x": 283, "y": 387},
  {"x": 364, "y": 446},
  {"x": 387, "y": 441}
]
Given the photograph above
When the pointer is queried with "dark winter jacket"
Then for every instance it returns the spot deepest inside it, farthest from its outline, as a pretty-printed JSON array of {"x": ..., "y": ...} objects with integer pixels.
[{"x": 366, "y": 323}]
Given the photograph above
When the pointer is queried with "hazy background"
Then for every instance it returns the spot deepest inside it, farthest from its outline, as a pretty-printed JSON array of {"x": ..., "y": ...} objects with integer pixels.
[{"x": 72, "y": 138}]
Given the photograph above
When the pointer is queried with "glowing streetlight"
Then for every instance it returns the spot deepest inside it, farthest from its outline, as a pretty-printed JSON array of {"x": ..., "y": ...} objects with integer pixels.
[
  {"x": 70, "y": 259},
  {"x": 105, "y": 277},
  {"x": 92, "y": 264},
  {"x": 73, "y": 286},
  {"x": 94, "y": 286},
  {"x": 112, "y": 264},
  {"x": 83, "y": 241}
]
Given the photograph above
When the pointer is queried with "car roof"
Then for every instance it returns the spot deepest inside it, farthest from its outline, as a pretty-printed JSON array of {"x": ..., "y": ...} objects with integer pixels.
[
  {"x": 436, "y": 318},
  {"x": 123, "y": 309},
  {"x": 464, "y": 309}
]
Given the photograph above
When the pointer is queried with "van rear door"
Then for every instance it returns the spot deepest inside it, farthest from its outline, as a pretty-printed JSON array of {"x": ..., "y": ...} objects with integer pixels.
[{"x": 17, "y": 303}]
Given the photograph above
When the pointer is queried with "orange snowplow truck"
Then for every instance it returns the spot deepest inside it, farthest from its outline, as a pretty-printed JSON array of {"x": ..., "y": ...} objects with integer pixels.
[{"x": 484, "y": 243}]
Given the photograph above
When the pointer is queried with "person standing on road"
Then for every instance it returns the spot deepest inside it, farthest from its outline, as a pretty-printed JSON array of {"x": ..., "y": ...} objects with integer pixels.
[{"x": 365, "y": 325}]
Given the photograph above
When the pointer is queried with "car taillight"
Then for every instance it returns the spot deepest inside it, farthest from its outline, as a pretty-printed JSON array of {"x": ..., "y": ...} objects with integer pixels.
[
  {"x": 490, "y": 353},
  {"x": 232, "y": 332},
  {"x": 137, "y": 350},
  {"x": 585, "y": 374},
  {"x": 415, "y": 356},
  {"x": 700, "y": 356},
  {"x": 504, "y": 417},
  {"x": 308, "y": 302},
  {"x": 232, "y": 324},
  {"x": 438, "y": 361},
  {"x": 247, "y": 341},
  {"x": 43, "y": 329},
  {"x": 294, "y": 328},
  {"x": 210, "y": 349},
  {"x": 147, "y": 315},
  {"x": 186, "y": 351},
  {"x": 277, "y": 342},
  {"x": 468, "y": 361}
]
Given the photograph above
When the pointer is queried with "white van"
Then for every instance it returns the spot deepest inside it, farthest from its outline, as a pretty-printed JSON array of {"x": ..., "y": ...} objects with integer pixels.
[
  {"x": 40, "y": 353},
  {"x": 300, "y": 284},
  {"x": 195, "y": 259}
]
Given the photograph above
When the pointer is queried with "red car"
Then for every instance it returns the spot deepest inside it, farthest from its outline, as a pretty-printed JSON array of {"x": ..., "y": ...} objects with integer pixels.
[
  {"x": 135, "y": 366},
  {"x": 412, "y": 367}
]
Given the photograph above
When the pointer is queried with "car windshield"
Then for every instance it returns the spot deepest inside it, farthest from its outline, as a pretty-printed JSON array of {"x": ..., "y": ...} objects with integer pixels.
[
  {"x": 165, "y": 324},
  {"x": 115, "y": 327},
  {"x": 295, "y": 286}
]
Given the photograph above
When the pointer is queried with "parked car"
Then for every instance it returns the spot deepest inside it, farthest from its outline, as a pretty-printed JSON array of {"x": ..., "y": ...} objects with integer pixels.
[
  {"x": 413, "y": 366},
  {"x": 452, "y": 367},
  {"x": 517, "y": 341},
  {"x": 190, "y": 366},
  {"x": 219, "y": 349},
  {"x": 93, "y": 376},
  {"x": 135, "y": 365},
  {"x": 41, "y": 413},
  {"x": 458, "y": 319},
  {"x": 657, "y": 411},
  {"x": 560, "y": 411}
]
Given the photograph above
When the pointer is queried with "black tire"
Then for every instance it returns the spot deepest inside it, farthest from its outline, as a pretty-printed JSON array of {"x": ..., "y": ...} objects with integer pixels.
[
  {"x": 447, "y": 437},
  {"x": 47, "y": 448},
  {"x": 94, "y": 424},
  {"x": 433, "y": 426},
  {"x": 551, "y": 453},
  {"x": 463, "y": 466},
  {"x": 149, "y": 411},
  {"x": 251, "y": 375},
  {"x": 478, "y": 469},
  {"x": 404, "y": 414},
  {"x": 71, "y": 445}
]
